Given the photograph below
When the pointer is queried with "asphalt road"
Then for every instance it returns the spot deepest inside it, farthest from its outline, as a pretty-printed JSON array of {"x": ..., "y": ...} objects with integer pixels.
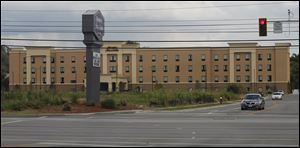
[{"x": 226, "y": 126}]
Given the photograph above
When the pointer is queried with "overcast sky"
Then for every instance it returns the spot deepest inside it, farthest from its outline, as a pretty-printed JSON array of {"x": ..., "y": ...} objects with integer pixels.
[{"x": 149, "y": 11}]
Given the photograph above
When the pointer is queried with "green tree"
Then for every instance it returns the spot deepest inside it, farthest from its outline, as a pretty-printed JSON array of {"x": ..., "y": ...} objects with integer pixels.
[
  {"x": 4, "y": 67},
  {"x": 294, "y": 71}
]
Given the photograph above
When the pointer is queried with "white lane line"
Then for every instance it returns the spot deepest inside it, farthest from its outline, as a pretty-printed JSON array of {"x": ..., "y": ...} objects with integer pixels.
[
  {"x": 4, "y": 123},
  {"x": 212, "y": 111},
  {"x": 79, "y": 144}
]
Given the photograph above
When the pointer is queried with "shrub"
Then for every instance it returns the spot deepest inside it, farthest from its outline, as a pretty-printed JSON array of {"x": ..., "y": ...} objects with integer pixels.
[
  {"x": 74, "y": 98},
  {"x": 234, "y": 88},
  {"x": 108, "y": 104}
]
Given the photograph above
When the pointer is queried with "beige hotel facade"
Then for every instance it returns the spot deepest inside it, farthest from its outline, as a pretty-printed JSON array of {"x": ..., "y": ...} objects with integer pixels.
[{"x": 125, "y": 66}]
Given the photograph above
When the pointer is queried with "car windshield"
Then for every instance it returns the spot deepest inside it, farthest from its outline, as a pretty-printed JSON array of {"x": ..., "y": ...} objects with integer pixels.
[
  {"x": 252, "y": 97},
  {"x": 277, "y": 93}
]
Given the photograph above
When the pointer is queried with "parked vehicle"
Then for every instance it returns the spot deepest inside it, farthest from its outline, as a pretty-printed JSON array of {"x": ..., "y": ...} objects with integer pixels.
[{"x": 281, "y": 91}]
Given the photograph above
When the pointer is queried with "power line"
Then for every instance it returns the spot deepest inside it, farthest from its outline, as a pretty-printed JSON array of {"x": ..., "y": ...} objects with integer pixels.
[
  {"x": 145, "y": 32},
  {"x": 133, "y": 25},
  {"x": 238, "y": 19},
  {"x": 149, "y": 9},
  {"x": 53, "y": 40}
]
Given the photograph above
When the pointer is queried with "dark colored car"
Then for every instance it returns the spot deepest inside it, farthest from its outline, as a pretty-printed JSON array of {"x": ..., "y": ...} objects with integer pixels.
[{"x": 253, "y": 101}]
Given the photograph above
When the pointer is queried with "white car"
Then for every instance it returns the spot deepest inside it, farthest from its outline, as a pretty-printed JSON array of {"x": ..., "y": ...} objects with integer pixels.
[
  {"x": 277, "y": 95},
  {"x": 281, "y": 91}
]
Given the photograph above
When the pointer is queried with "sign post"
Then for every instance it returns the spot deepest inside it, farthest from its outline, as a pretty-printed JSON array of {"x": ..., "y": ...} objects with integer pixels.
[{"x": 93, "y": 30}]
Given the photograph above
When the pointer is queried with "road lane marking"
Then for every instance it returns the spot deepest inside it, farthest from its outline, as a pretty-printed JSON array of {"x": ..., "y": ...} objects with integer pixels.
[
  {"x": 79, "y": 144},
  {"x": 4, "y": 123}
]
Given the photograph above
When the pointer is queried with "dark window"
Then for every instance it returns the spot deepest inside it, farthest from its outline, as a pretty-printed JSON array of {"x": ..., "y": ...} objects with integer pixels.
[
  {"x": 153, "y": 68},
  {"x": 62, "y": 80},
  {"x": 153, "y": 58},
  {"x": 203, "y": 57},
  {"x": 190, "y": 57},
  {"x": 62, "y": 59},
  {"x": 225, "y": 67},
  {"x": 32, "y": 60},
  {"x": 165, "y": 68},
  {"x": 190, "y": 68},
  {"x": 52, "y": 60},
  {"x": 24, "y": 60},
  {"x": 216, "y": 68},
  {"x": 177, "y": 68},
  {"x": 177, "y": 79},
  {"x": 203, "y": 68},
  {"x": 73, "y": 59},
  {"x": 141, "y": 58},
  {"x": 127, "y": 58},
  {"x": 177, "y": 57},
  {"x": 269, "y": 67},
  {"x": 259, "y": 57},
  {"x": 73, "y": 81},
  {"x": 113, "y": 58},
  {"x": 62, "y": 70},
  {"x": 269, "y": 57}
]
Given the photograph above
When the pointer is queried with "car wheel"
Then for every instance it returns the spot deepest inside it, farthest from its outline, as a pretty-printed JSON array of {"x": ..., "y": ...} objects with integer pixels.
[{"x": 242, "y": 108}]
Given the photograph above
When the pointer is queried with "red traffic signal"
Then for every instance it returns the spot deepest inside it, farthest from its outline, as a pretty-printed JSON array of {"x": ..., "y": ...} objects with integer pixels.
[{"x": 262, "y": 26}]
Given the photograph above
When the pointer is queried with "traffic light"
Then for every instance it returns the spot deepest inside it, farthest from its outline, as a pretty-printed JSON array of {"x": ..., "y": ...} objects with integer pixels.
[{"x": 262, "y": 22}]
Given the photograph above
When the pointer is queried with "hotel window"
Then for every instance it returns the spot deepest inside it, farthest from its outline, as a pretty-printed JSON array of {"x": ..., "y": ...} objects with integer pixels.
[
  {"x": 216, "y": 57},
  {"x": 153, "y": 58},
  {"x": 225, "y": 78},
  {"x": 24, "y": 81},
  {"x": 141, "y": 58},
  {"x": 190, "y": 57},
  {"x": 260, "y": 79},
  {"x": 177, "y": 68},
  {"x": 44, "y": 69},
  {"x": 44, "y": 60},
  {"x": 73, "y": 59},
  {"x": 238, "y": 68},
  {"x": 203, "y": 68},
  {"x": 32, "y": 60},
  {"x": 73, "y": 70},
  {"x": 153, "y": 68},
  {"x": 269, "y": 57},
  {"x": 52, "y": 60},
  {"x": 216, "y": 79},
  {"x": 52, "y": 69},
  {"x": 269, "y": 78},
  {"x": 85, "y": 69},
  {"x": 44, "y": 80},
  {"x": 259, "y": 57},
  {"x": 238, "y": 78},
  {"x": 165, "y": 68},
  {"x": 225, "y": 67},
  {"x": 32, "y": 70},
  {"x": 177, "y": 79},
  {"x": 62, "y": 70},
  {"x": 24, "y": 70},
  {"x": 32, "y": 80},
  {"x": 73, "y": 81},
  {"x": 269, "y": 67},
  {"x": 165, "y": 79},
  {"x": 225, "y": 57},
  {"x": 247, "y": 58},
  {"x": 126, "y": 68},
  {"x": 84, "y": 59},
  {"x": 140, "y": 68},
  {"x": 127, "y": 58},
  {"x": 203, "y": 57},
  {"x": 190, "y": 68},
  {"x": 62, "y": 80},
  {"x": 203, "y": 78},
  {"x": 140, "y": 79},
  {"x": 24, "y": 60},
  {"x": 113, "y": 69},
  {"x": 113, "y": 58},
  {"x": 259, "y": 67},
  {"x": 52, "y": 80},
  {"x": 177, "y": 57},
  {"x": 247, "y": 68},
  {"x": 62, "y": 59},
  {"x": 190, "y": 79},
  {"x": 153, "y": 78},
  {"x": 238, "y": 57},
  {"x": 247, "y": 78},
  {"x": 216, "y": 67},
  {"x": 165, "y": 58}
]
